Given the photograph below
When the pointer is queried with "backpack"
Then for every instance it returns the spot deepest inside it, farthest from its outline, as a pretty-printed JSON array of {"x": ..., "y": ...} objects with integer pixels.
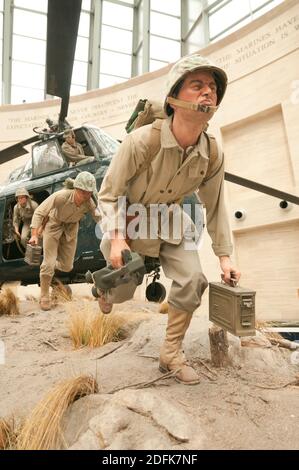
[{"x": 151, "y": 112}]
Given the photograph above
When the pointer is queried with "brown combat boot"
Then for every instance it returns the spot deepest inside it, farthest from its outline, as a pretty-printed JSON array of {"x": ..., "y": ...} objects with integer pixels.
[
  {"x": 45, "y": 302},
  {"x": 171, "y": 354}
]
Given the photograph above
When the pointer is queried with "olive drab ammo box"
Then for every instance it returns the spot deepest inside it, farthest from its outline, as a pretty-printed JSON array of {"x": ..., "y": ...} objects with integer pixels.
[
  {"x": 33, "y": 255},
  {"x": 232, "y": 308}
]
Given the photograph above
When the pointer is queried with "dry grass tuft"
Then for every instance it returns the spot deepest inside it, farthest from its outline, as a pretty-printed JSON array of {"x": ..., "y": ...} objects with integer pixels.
[
  {"x": 9, "y": 303},
  {"x": 94, "y": 329},
  {"x": 8, "y": 434},
  {"x": 31, "y": 298},
  {"x": 42, "y": 429},
  {"x": 164, "y": 307},
  {"x": 61, "y": 292},
  {"x": 263, "y": 326}
]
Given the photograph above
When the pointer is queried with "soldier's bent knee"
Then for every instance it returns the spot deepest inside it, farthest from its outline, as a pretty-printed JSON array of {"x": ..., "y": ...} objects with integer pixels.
[
  {"x": 199, "y": 285},
  {"x": 66, "y": 268}
]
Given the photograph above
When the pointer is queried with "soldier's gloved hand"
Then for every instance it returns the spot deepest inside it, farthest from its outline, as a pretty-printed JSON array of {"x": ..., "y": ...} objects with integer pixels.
[{"x": 33, "y": 240}]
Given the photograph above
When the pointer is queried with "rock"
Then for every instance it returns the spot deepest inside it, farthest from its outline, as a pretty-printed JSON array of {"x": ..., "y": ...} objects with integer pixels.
[
  {"x": 87, "y": 441},
  {"x": 166, "y": 414},
  {"x": 130, "y": 419},
  {"x": 76, "y": 419},
  {"x": 258, "y": 341},
  {"x": 118, "y": 427},
  {"x": 114, "y": 418}
]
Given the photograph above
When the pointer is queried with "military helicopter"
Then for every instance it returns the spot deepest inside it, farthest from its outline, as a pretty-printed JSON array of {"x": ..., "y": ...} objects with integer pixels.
[{"x": 47, "y": 168}]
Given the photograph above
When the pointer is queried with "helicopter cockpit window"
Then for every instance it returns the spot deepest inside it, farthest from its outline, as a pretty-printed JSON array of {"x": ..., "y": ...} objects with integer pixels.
[
  {"x": 108, "y": 145},
  {"x": 27, "y": 170},
  {"x": 46, "y": 158}
]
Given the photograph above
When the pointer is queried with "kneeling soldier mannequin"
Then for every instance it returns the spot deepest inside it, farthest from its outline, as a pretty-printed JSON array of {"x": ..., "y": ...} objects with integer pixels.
[
  {"x": 195, "y": 90},
  {"x": 59, "y": 216},
  {"x": 23, "y": 212}
]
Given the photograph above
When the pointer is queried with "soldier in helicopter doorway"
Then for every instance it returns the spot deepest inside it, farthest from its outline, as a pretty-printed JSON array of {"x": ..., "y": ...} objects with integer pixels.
[
  {"x": 58, "y": 216},
  {"x": 22, "y": 215}
]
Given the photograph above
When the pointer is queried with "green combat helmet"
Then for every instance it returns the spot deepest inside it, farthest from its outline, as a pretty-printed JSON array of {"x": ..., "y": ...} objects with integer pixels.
[
  {"x": 178, "y": 73},
  {"x": 21, "y": 192},
  {"x": 85, "y": 181}
]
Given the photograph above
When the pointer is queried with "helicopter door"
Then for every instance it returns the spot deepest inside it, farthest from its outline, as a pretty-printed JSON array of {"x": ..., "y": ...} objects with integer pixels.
[{"x": 47, "y": 158}]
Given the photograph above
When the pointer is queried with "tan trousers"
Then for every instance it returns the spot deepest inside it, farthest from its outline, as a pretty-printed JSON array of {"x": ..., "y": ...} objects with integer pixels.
[
  {"x": 58, "y": 254},
  {"x": 181, "y": 266}
]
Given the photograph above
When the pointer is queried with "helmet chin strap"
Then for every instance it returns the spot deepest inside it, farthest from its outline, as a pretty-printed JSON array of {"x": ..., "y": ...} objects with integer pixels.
[{"x": 189, "y": 105}]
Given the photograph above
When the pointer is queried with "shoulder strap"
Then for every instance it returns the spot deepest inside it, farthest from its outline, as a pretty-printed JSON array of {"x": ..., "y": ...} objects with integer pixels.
[
  {"x": 154, "y": 146},
  {"x": 213, "y": 154}
]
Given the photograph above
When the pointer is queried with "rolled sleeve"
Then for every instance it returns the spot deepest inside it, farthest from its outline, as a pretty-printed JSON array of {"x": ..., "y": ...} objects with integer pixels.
[
  {"x": 16, "y": 216},
  {"x": 112, "y": 195},
  {"x": 211, "y": 194},
  {"x": 43, "y": 211}
]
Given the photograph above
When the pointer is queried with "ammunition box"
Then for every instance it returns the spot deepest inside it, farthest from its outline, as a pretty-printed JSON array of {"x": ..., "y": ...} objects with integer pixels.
[
  {"x": 33, "y": 255},
  {"x": 232, "y": 308}
]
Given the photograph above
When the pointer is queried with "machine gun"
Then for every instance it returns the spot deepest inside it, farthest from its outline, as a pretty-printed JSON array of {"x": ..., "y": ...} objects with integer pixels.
[{"x": 108, "y": 277}]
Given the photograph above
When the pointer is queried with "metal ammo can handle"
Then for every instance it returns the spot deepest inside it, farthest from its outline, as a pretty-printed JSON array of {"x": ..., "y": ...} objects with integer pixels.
[{"x": 126, "y": 256}]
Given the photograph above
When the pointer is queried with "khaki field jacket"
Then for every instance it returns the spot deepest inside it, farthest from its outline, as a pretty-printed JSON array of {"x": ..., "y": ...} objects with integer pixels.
[{"x": 167, "y": 180}]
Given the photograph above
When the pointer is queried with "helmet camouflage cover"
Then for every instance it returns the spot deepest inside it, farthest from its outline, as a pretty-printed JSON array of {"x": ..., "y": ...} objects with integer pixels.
[
  {"x": 21, "y": 192},
  {"x": 192, "y": 63},
  {"x": 85, "y": 181}
]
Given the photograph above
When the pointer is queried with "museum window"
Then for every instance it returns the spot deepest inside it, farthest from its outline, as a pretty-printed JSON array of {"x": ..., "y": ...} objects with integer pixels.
[
  {"x": 116, "y": 43},
  {"x": 165, "y": 33},
  {"x": 117, "y": 39},
  {"x": 80, "y": 68},
  {"x": 28, "y": 51},
  {"x": 225, "y": 17}
]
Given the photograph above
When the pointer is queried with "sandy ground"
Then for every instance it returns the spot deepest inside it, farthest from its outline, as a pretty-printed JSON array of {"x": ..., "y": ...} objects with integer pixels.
[{"x": 244, "y": 406}]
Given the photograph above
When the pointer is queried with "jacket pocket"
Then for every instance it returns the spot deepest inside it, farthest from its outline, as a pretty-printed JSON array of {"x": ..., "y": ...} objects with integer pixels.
[{"x": 198, "y": 170}]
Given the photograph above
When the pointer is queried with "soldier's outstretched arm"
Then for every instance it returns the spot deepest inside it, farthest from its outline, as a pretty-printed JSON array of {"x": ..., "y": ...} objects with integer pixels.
[
  {"x": 211, "y": 195},
  {"x": 39, "y": 216},
  {"x": 121, "y": 171},
  {"x": 115, "y": 184}
]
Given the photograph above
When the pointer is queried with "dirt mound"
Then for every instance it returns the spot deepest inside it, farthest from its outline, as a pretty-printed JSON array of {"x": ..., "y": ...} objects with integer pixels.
[{"x": 251, "y": 404}]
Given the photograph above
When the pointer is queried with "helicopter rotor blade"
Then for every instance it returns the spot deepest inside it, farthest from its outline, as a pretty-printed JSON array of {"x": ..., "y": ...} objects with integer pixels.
[
  {"x": 16, "y": 150},
  {"x": 62, "y": 31},
  {"x": 262, "y": 188}
]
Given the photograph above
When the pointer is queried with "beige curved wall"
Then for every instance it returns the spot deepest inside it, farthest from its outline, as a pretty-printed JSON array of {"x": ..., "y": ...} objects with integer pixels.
[{"x": 258, "y": 126}]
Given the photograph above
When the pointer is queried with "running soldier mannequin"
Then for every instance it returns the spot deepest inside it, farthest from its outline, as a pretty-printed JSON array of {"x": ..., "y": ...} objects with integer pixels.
[
  {"x": 60, "y": 215},
  {"x": 23, "y": 212},
  {"x": 195, "y": 89}
]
